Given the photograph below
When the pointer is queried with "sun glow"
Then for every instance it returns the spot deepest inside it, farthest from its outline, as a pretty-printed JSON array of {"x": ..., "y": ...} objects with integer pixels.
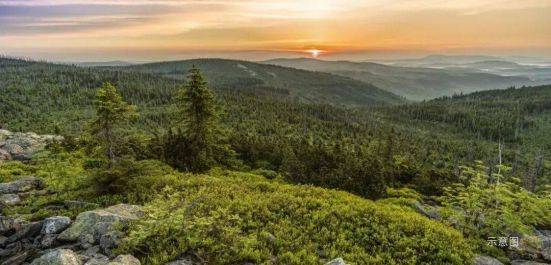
[{"x": 315, "y": 53}]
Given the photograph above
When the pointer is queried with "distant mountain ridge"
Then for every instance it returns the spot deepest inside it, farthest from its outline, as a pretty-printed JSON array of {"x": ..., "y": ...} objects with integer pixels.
[
  {"x": 296, "y": 84},
  {"x": 101, "y": 64},
  {"x": 415, "y": 83}
]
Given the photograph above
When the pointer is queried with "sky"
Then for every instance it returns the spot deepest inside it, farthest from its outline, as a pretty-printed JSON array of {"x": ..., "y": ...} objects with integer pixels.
[{"x": 149, "y": 30}]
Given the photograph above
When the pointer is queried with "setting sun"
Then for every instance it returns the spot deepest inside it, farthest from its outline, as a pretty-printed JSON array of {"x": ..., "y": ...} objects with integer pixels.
[{"x": 315, "y": 53}]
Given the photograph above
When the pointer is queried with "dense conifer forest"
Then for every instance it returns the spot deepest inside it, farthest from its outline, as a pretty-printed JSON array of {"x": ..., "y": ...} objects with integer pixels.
[{"x": 280, "y": 155}]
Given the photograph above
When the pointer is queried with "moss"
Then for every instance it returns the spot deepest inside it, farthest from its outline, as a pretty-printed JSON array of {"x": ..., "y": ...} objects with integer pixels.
[{"x": 231, "y": 217}]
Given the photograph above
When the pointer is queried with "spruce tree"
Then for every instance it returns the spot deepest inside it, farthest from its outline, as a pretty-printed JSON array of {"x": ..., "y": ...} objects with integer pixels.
[
  {"x": 111, "y": 112},
  {"x": 198, "y": 143}
]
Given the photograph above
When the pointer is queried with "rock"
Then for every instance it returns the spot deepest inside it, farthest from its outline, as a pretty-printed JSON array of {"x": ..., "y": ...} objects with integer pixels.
[
  {"x": 10, "y": 199},
  {"x": 17, "y": 259},
  {"x": 56, "y": 224},
  {"x": 546, "y": 254},
  {"x": 21, "y": 185},
  {"x": 22, "y": 146},
  {"x": 110, "y": 241},
  {"x": 184, "y": 261},
  {"x": 13, "y": 149},
  {"x": 9, "y": 224},
  {"x": 485, "y": 260},
  {"x": 125, "y": 260},
  {"x": 526, "y": 262},
  {"x": 98, "y": 261},
  {"x": 5, "y": 155},
  {"x": 545, "y": 237},
  {"x": 48, "y": 241},
  {"x": 337, "y": 261},
  {"x": 428, "y": 211},
  {"x": 70, "y": 204},
  {"x": 58, "y": 257},
  {"x": 91, "y": 225},
  {"x": 26, "y": 231}
]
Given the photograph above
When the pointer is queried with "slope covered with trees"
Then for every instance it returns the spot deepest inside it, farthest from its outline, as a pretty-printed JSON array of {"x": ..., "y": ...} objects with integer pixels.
[
  {"x": 414, "y": 83},
  {"x": 301, "y": 85},
  {"x": 411, "y": 159}
]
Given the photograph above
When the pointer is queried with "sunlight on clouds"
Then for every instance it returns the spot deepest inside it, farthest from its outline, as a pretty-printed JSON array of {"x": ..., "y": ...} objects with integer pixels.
[{"x": 274, "y": 25}]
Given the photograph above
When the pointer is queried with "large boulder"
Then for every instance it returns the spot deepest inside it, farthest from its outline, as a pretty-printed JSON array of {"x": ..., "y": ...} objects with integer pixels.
[
  {"x": 58, "y": 257},
  {"x": 89, "y": 226},
  {"x": 55, "y": 224},
  {"x": 21, "y": 185},
  {"x": 485, "y": 260}
]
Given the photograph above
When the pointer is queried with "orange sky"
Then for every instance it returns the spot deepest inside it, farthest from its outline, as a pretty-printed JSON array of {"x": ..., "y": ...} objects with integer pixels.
[{"x": 162, "y": 29}]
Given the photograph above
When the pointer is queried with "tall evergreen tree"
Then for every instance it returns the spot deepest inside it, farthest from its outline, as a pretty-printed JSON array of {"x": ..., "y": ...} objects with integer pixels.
[
  {"x": 111, "y": 112},
  {"x": 198, "y": 141}
]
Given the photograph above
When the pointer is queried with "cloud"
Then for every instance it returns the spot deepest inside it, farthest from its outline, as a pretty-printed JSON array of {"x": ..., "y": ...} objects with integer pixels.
[{"x": 270, "y": 24}]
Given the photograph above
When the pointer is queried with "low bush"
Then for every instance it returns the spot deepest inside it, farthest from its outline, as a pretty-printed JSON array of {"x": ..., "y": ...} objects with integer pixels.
[{"x": 232, "y": 218}]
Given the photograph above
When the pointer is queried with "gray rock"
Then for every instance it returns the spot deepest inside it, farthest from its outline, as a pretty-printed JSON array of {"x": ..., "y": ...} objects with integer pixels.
[
  {"x": 22, "y": 146},
  {"x": 427, "y": 210},
  {"x": 10, "y": 224},
  {"x": 48, "y": 241},
  {"x": 58, "y": 257},
  {"x": 17, "y": 259},
  {"x": 13, "y": 149},
  {"x": 26, "y": 231},
  {"x": 98, "y": 261},
  {"x": 184, "y": 261},
  {"x": 485, "y": 260},
  {"x": 91, "y": 225},
  {"x": 5, "y": 155},
  {"x": 125, "y": 260},
  {"x": 546, "y": 254},
  {"x": 526, "y": 262},
  {"x": 56, "y": 224},
  {"x": 21, "y": 185},
  {"x": 337, "y": 261},
  {"x": 10, "y": 199},
  {"x": 110, "y": 241}
]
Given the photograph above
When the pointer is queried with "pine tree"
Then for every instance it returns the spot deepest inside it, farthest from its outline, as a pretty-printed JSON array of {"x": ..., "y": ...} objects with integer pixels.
[{"x": 111, "y": 112}]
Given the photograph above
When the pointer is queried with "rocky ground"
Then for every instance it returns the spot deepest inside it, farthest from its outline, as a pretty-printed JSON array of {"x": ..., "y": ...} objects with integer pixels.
[{"x": 21, "y": 146}]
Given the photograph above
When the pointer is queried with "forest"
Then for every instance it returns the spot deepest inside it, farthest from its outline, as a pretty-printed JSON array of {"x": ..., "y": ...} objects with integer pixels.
[{"x": 284, "y": 166}]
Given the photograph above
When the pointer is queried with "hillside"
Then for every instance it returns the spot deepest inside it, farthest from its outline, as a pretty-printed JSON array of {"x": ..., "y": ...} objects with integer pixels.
[
  {"x": 220, "y": 217},
  {"x": 414, "y": 83},
  {"x": 286, "y": 181},
  {"x": 304, "y": 86},
  {"x": 282, "y": 134}
]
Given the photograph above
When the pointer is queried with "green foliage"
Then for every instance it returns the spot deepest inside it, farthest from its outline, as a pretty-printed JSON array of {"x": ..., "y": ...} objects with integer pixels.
[
  {"x": 65, "y": 179},
  {"x": 231, "y": 218},
  {"x": 415, "y": 145},
  {"x": 198, "y": 143},
  {"x": 111, "y": 112},
  {"x": 486, "y": 205}
]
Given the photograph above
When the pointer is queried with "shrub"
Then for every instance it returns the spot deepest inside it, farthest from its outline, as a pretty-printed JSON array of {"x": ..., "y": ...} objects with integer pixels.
[
  {"x": 489, "y": 206},
  {"x": 231, "y": 218}
]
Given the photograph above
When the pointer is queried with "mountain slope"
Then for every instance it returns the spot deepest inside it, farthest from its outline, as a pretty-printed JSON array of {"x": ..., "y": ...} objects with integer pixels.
[
  {"x": 301, "y": 85},
  {"x": 412, "y": 83}
]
